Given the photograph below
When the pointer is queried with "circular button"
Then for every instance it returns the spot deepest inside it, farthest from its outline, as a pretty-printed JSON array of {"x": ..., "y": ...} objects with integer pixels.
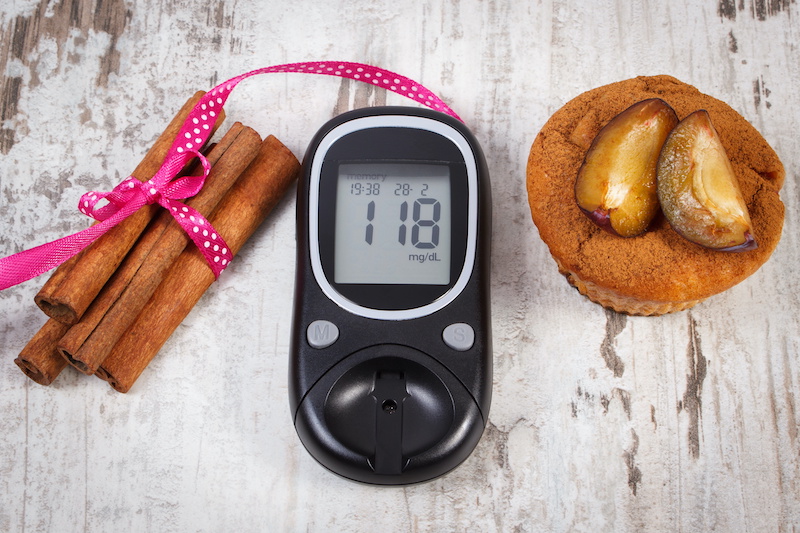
[{"x": 459, "y": 336}]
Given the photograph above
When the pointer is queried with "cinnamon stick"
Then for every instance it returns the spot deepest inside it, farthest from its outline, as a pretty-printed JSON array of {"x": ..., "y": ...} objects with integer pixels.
[
  {"x": 90, "y": 345},
  {"x": 253, "y": 196},
  {"x": 87, "y": 342},
  {"x": 79, "y": 282},
  {"x": 39, "y": 360},
  {"x": 60, "y": 274}
]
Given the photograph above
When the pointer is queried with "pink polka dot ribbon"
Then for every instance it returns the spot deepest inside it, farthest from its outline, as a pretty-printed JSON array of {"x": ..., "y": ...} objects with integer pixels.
[{"x": 167, "y": 189}]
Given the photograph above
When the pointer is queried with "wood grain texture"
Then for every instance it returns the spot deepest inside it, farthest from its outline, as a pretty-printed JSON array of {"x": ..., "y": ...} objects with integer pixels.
[{"x": 599, "y": 422}]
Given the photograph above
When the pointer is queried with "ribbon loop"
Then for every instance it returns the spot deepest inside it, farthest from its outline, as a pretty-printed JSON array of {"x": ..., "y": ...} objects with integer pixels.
[
  {"x": 186, "y": 186},
  {"x": 116, "y": 198}
]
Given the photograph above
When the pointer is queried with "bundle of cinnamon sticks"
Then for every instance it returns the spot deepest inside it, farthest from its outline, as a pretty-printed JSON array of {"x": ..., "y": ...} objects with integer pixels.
[{"x": 114, "y": 305}]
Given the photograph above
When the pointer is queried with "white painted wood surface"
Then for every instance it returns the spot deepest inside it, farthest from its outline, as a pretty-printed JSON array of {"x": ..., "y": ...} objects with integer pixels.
[{"x": 687, "y": 422}]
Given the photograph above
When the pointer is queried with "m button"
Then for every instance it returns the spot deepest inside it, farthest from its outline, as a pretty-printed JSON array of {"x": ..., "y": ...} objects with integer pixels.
[{"x": 321, "y": 334}]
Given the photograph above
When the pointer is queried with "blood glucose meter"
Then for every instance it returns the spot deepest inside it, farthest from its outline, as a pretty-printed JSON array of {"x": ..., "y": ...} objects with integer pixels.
[{"x": 391, "y": 353}]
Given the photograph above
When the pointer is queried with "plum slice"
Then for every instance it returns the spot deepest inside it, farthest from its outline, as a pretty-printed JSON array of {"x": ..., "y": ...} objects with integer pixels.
[
  {"x": 698, "y": 189},
  {"x": 616, "y": 185}
]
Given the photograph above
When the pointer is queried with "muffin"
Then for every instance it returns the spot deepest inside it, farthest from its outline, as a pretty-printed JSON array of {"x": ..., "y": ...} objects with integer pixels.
[{"x": 658, "y": 271}]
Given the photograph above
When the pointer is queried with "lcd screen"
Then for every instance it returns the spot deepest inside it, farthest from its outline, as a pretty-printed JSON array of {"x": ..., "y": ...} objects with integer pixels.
[{"x": 393, "y": 224}]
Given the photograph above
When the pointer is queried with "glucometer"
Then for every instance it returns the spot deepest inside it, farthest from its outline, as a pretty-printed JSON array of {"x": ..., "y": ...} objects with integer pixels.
[{"x": 391, "y": 354}]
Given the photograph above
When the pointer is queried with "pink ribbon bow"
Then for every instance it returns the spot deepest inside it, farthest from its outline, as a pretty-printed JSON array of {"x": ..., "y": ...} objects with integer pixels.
[{"x": 167, "y": 189}]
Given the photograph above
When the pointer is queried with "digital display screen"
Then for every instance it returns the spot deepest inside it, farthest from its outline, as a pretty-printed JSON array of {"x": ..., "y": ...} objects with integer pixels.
[{"x": 393, "y": 224}]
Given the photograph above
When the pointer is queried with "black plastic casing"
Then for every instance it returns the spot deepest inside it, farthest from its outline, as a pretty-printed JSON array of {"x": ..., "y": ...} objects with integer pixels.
[{"x": 389, "y": 402}]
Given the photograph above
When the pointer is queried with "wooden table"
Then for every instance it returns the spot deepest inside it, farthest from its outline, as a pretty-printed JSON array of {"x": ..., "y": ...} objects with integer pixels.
[{"x": 599, "y": 422}]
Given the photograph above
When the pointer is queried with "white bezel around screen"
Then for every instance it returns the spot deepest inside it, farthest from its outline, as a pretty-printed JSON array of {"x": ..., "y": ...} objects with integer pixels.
[{"x": 393, "y": 121}]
